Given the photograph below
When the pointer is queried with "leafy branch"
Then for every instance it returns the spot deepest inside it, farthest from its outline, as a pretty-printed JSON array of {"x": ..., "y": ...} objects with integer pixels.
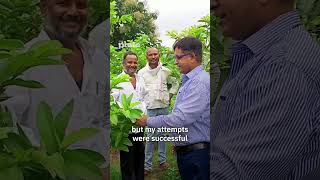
[
  {"x": 122, "y": 116},
  {"x": 19, "y": 158}
]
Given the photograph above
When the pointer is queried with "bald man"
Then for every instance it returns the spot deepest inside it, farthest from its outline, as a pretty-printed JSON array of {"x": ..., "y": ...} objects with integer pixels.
[{"x": 154, "y": 91}]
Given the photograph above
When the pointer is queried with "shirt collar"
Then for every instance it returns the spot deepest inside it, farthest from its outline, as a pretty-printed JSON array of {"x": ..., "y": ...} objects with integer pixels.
[
  {"x": 123, "y": 73},
  {"x": 194, "y": 72},
  {"x": 44, "y": 35},
  {"x": 86, "y": 49},
  {"x": 272, "y": 32},
  {"x": 81, "y": 42},
  {"x": 157, "y": 68}
]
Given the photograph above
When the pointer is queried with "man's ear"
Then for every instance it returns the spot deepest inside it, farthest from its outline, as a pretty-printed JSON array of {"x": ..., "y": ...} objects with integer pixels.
[{"x": 193, "y": 56}]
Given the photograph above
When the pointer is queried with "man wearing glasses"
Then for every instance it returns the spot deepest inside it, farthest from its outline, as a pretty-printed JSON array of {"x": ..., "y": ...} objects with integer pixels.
[{"x": 191, "y": 111}]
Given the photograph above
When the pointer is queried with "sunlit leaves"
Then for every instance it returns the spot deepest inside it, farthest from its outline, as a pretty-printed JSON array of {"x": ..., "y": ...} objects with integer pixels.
[{"x": 122, "y": 116}]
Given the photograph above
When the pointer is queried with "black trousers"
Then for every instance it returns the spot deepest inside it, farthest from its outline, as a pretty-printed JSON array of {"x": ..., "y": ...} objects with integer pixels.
[{"x": 132, "y": 162}]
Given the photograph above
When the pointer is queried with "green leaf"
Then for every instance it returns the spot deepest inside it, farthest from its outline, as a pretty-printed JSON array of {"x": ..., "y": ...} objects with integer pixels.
[
  {"x": 126, "y": 113},
  {"x": 123, "y": 148},
  {"x": 6, "y": 161},
  {"x": 60, "y": 51},
  {"x": 305, "y": 6},
  {"x": 48, "y": 48},
  {"x": 127, "y": 142},
  {"x": 114, "y": 119},
  {"x": 46, "y": 128},
  {"x": 4, "y": 132},
  {"x": 134, "y": 104},
  {"x": 124, "y": 101},
  {"x": 79, "y": 166},
  {"x": 129, "y": 99},
  {"x": 8, "y": 4},
  {"x": 54, "y": 163},
  {"x": 316, "y": 21},
  {"x": 120, "y": 88},
  {"x": 23, "y": 83},
  {"x": 4, "y": 55},
  {"x": 12, "y": 173},
  {"x": 44, "y": 61},
  {"x": 23, "y": 135},
  {"x": 5, "y": 119},
  {"x": 118, "y": 138},
  {"x": 119, "y": 79},
  {"x": 126, "y": 18},
  {"x": 80, "y": 134},
  {"x": 62, "y": 119},
  {"x": 90, "y": 156},
  {"x": 135, "y": 114},
  {"x": 16, "y": 65},
  {"x": 15, "y": 144},
  {"x": 10, "y": 44}
]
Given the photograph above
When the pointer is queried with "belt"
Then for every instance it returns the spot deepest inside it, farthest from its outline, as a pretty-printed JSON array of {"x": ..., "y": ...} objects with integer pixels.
[{"x": 192, "y": 147}]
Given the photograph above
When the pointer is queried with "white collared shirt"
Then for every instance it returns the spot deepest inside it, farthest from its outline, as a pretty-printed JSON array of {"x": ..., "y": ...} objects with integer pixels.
[
  {"x": 128, "y": 89},
  {"x": 153, "y": 89}
]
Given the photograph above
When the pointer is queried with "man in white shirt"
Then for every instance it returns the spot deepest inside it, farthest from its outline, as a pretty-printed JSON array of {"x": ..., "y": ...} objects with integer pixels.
[
  {"x": 83, "y": 78},
  {"x": 131, "y": 162},
  {"x": 154, "y": 91}
]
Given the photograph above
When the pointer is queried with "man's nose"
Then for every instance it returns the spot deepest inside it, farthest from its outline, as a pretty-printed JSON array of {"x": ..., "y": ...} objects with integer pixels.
[{"x": 73, "y": 9}]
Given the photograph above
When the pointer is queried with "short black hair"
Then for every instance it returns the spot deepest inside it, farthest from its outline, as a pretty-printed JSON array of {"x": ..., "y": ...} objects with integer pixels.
[
  {"x": 190, "y": 44},
  {"x": 128, "y": 53}
]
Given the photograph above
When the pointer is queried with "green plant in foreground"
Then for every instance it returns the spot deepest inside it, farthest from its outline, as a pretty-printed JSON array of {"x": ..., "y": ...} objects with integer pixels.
[
  {"x": 122, "y": 116},
  {"x": 14, "y": 61},
  {"x": 19, "y": 158}
]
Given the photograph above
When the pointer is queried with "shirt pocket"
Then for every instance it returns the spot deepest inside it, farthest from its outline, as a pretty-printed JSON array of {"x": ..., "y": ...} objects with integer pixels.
[
  {"x": 95, "y": 103},
  {"x": 225, "y": 106}
]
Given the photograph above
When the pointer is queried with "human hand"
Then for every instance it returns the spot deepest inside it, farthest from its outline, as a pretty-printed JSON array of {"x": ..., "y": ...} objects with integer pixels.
[{"x": 142, "y": 121}]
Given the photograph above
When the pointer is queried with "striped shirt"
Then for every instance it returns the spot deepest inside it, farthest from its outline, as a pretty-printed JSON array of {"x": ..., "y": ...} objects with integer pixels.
[
  {"x": 191, "y": 109},
  {"x": 266, "y": 119}
]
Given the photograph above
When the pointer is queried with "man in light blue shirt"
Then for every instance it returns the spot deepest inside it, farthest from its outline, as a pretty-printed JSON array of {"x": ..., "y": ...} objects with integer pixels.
[{"x": 190, "y": 114}]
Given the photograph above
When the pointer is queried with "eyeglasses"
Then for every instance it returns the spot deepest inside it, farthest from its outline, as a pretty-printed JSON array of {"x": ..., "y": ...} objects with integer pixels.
[{"x": 178, "y": 57}]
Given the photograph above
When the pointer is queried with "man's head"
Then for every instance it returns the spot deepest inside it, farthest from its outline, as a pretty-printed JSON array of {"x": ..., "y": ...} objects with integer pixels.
[
  {"x": 188, "y": 54},
  {"x": 239, "y": 19},
  {"x": 64, "y": 19},
  {"x": 153, "y": 57},
  {"x": 130, "y": 63}
]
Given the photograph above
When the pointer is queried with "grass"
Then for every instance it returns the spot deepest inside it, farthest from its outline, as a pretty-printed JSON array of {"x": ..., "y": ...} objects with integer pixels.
[{"x": 156, "y": 174}]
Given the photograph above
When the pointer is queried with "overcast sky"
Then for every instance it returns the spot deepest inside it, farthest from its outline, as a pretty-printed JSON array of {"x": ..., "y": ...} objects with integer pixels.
[{"x": 177, "y": 14}]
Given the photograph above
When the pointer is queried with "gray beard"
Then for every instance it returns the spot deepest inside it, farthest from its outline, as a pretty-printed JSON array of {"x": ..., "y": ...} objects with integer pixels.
[
  {"x": 58, "y": 34},
  {"x": 129, "y": 72}
]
